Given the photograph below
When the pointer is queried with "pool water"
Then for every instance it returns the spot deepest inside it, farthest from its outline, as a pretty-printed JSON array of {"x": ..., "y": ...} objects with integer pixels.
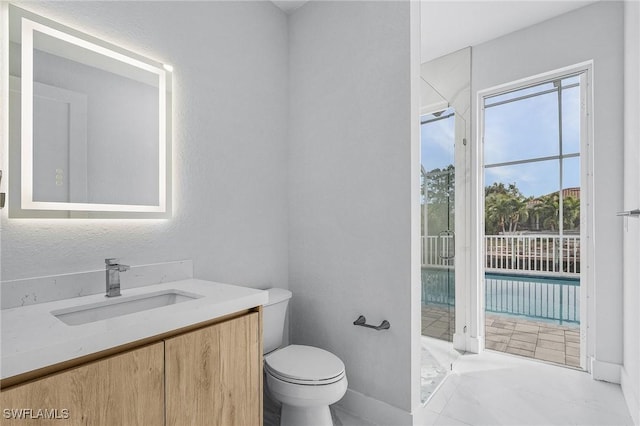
[{"x": 540, "y": 297}]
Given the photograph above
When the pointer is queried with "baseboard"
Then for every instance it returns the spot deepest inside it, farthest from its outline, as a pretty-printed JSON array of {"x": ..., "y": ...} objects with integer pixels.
[
  {"x": 374, "y": 410},
  {"x": 475, "y": 345},
  {"x": 631, "y": 395},
  {"x": 605, "y": 371},
  {"x": 459, "y": 342},
  {"x": 464, "y": 343}
]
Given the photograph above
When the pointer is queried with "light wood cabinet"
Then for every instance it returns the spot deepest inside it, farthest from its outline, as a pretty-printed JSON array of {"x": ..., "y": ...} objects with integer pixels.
[
  {"x": 209, "y": 374},
  {"x": 125, "y": 389},
  {"x": 214, "y": 375}
]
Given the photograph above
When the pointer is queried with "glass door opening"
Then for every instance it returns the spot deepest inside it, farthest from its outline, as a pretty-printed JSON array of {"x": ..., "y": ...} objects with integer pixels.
[
  {"x": 532, "y": 179},
  {"x": 437, "y": 228}
]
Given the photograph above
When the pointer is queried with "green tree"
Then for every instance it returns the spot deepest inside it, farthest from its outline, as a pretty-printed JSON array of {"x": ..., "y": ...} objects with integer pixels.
[
  {"x": 438, "y": 197},
  {"x": 508, "y": 211},
  {"x": 550, "y": 212},
  {"x": 505, "y": 208},
  {"x": 571, "y": 212},
  {"x": 545, "y": 211}
]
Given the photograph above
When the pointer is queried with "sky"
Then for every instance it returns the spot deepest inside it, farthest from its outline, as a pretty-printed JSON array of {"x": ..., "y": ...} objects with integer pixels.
[{"x": 518, "y": 131}]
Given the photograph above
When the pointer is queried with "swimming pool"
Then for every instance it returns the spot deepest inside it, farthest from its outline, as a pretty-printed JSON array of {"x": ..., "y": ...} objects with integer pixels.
[{"x": 540, "y": 297}]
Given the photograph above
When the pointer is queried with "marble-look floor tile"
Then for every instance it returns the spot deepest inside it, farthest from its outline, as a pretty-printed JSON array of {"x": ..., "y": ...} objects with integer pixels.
[
  {"x": 497, "y": 389},
  {"x": 343, "y": 418},
  {"x": 443, "y": 420},
  {"x": 501, "y": 390}
]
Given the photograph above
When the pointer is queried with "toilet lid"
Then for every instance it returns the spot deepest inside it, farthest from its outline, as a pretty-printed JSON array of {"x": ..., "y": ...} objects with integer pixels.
[{"x": 304, "y": 364}]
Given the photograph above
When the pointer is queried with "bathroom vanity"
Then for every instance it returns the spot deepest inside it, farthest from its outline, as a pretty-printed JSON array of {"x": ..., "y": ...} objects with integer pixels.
[
  {"x": 181, "y": 352},
  {"x": 197, "y": 361}
]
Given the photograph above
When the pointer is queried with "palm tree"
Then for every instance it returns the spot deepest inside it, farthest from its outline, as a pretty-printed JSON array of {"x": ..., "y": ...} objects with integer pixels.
[
  {"x": 505, "y": 208},
  {"x": 571, "y": 212},
  {"x": 518, "y": 214},
  {"x": 496, "y": 211},
  {"x": 550, "y": 211}
]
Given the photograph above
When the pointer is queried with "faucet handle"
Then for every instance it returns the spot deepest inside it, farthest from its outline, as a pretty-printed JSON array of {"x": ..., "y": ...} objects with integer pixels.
[{"x": 112, "y": 261}]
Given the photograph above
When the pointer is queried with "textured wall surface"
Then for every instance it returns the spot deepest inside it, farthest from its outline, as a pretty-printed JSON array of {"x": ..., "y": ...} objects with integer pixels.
[
  {"x": 631, "y": 226},
  {"x": 229, "y": 141},
  {"x": 350, "y": 188}
]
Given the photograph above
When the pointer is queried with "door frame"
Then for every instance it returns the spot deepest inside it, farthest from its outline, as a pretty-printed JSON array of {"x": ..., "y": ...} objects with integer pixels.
[{"x": 587, "y": 278}]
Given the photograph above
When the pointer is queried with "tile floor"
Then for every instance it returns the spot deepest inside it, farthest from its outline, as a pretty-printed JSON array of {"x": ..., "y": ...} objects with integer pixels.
[
  {"x": 436, "y": 363},
  {"x": 543, "y": 340},
  {"x": 534, "y": 339},
  {"x": 438, "y": 321},
  {"x": 339, "y": 416},
  {"x": 500, "y": 389},
  {"x": 432, "y": 373}
]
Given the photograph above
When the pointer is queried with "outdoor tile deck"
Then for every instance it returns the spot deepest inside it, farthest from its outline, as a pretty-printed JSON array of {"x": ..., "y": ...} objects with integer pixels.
[{"x": 514, "y": 335}]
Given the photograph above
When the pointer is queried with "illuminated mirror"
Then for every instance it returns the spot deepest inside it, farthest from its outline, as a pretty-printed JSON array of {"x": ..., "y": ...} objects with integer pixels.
[{"x": 89, "y": 125}]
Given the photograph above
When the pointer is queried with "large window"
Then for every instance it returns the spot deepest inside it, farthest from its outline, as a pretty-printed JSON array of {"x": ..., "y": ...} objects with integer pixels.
[
  {"x": 532, "y": 220},
  {"x": 532, "y": 164}
]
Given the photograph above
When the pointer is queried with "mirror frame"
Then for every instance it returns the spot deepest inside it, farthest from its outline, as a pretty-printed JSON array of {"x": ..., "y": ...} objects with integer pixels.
[{"x": 24, "y": 205}]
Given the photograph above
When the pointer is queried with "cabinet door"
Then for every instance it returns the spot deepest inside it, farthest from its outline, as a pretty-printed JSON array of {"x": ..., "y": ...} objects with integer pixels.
[
  {"x": 125, "y": 389},
  {"x": 214, "y": 375}
]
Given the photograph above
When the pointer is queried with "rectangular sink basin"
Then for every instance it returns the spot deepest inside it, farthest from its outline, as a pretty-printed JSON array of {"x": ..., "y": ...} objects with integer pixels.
[{"x": 118, "y": 306}]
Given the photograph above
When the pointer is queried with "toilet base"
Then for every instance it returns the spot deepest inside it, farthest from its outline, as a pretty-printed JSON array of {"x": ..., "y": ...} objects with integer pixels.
[{"x": 305, "y": 416}]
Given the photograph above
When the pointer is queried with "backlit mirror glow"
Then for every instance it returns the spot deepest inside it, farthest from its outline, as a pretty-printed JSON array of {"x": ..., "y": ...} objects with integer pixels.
[{"x": 93, "y": 127}]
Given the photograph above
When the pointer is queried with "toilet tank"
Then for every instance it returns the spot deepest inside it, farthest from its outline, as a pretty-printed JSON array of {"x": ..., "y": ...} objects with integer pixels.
[{"x": 273, "y": 316}]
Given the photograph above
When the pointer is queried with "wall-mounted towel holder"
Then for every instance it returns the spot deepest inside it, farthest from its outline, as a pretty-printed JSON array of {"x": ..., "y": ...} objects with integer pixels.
[
  {"x": 635, "y": 212},
  {"x": 362, "y": 321}
]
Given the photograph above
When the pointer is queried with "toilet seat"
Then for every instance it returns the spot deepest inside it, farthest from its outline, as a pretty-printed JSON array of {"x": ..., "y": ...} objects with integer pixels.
[{"x": 305, "y": 365}]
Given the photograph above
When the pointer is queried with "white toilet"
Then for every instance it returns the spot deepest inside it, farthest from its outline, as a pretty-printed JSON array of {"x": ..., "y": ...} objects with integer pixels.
[{"x": 305, "y": 379}]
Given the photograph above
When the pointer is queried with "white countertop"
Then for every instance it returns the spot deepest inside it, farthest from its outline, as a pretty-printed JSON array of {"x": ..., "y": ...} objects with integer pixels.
[{"x": 33, "y": 338}]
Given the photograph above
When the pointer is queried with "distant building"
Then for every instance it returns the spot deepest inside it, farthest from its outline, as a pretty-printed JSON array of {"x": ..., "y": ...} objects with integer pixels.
[{"x": 571, "y": 192}]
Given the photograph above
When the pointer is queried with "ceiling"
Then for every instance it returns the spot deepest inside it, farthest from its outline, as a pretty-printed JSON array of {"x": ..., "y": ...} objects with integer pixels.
[{"x": 448, "y": 26}]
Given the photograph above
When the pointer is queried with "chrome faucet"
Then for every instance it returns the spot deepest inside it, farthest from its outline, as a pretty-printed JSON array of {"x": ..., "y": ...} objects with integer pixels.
[{"x": 113, "y": 269}]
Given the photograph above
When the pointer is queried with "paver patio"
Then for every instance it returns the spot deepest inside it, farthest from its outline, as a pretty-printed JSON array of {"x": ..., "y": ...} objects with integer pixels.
[{"x": 541, "y": 340}]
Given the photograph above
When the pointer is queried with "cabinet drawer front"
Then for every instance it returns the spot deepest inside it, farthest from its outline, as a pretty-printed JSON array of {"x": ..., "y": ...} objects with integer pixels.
[
  {"x": 214, "y": 375},
  {"x": 125, "y": 389}
]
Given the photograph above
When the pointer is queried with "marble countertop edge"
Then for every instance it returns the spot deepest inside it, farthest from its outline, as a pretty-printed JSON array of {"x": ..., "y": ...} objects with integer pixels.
[{"x": 33, "y": 338}]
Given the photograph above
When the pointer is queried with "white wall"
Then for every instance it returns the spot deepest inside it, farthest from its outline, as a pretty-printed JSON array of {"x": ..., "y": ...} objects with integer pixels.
[
  {"x": 230, "y": 129},
  {"x": 631, "y": 371},
  {"x": 593, "y": 33},
  {"x": 350, "y": 176}
]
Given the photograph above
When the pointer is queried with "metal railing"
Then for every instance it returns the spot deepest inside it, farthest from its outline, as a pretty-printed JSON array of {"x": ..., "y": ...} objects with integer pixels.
[
  {"x": 438, "y": 286},
  {"x": 433, "y": 248},
  {"x": 531, "y": 275},
  {"x": 539, "y": 297},
  {"x": 555, "y": 299},
  {"x": 547, "y": 254},
  {"x": 540, "y": 254}
]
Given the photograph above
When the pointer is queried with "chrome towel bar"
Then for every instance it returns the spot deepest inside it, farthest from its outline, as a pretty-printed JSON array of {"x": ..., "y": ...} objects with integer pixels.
[
  {"x": 635, "y": 212},
  {"x": 362, "y": 321}
]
